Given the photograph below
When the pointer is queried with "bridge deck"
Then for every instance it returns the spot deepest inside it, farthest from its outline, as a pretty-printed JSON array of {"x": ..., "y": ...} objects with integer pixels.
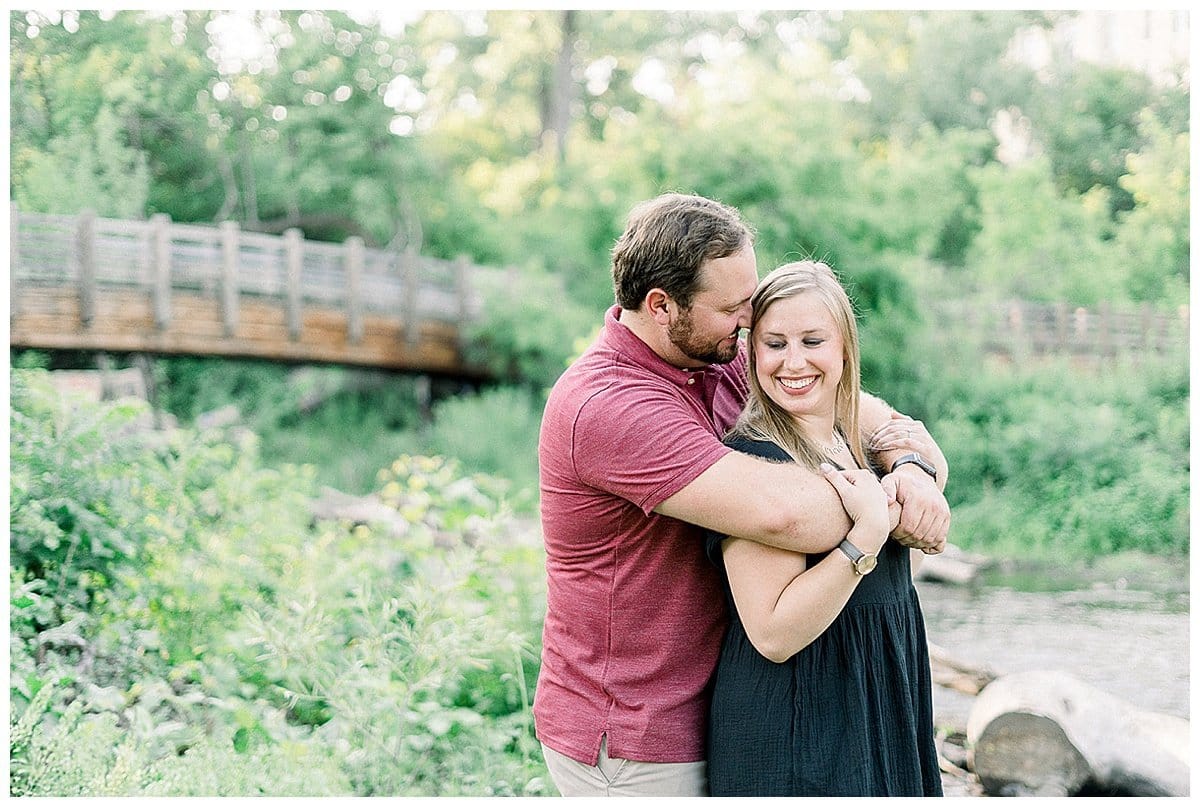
[
  {"x": 50, "y": 318},
  {"x": 86, "y": 283}
]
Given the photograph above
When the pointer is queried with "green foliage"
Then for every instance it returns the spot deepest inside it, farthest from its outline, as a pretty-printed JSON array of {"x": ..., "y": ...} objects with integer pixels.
[
  {"x": 496, "y": 433},
  {"x": 1046, "y": 461},
  {"x": 1088, "y": 120},
  {"x": 526, "y": 332},
  {"x": 87, "y": 166},
  {"x": 69, "y": 521},
  {"x": 939, "y": 68},
  {"x": 1026, "y": 224},
  {"x": 1155, "y": 236},
  {"x": 93, "y": 755},
  {"x": 192, "y": 386},
  {"x": 233, "y": 647},
  {"x": 374, "y": 638}
]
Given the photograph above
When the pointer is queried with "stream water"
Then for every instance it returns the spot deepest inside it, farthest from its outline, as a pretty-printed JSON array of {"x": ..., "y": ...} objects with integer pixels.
[{"x": 1128, "y": 636}]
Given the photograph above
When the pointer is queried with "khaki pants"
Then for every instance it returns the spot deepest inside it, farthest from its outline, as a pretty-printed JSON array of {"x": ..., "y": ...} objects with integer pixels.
[{"x": 625, "y": 777}]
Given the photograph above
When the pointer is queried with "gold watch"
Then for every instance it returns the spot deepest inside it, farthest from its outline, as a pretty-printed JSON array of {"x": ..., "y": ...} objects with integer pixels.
[{"x": 863, "y": 562}]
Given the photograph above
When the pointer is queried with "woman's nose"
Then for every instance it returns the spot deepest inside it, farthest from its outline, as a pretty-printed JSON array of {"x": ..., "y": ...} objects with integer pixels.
[{"x": 794, "y": 359}]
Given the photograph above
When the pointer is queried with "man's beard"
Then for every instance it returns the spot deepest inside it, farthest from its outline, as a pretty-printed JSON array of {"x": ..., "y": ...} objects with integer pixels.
[{"x": 682, "y": 336}]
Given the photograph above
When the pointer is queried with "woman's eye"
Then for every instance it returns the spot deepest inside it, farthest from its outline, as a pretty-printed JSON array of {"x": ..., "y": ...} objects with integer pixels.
[
  {"x": 775, "y": 345},
  {"x": 813, "y": 342}
]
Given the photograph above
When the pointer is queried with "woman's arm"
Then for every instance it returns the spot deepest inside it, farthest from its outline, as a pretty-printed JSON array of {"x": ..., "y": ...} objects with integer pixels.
[{"x": 784, "y": 605}]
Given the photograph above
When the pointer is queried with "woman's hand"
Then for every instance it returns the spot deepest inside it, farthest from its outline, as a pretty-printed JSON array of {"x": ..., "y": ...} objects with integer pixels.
[
  {"x": 865, "y": 502},
  {"x": 903, "y": 432}
]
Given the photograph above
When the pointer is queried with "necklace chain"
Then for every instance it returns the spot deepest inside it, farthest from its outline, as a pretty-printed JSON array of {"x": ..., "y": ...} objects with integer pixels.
[{"x": 838, "y": 444}]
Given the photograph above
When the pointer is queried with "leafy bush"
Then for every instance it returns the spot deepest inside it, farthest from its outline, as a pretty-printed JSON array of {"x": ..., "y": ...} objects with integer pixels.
[
  {"x": 232, "y": 646},
  {"x": 496, "y": 433},
  {"x": 93, "y": 755},
  {"x": 528, "y": 329},
  {"x": 1048, "y": 458},
  {"x": 68, "y": 521}
]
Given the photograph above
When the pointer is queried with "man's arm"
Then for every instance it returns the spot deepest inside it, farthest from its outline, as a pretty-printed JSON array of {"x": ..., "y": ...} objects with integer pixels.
[
  {"x": 775, "y": 503},
  {"x": 791, "y": 507},
  {"x": 904, "y": 435}
]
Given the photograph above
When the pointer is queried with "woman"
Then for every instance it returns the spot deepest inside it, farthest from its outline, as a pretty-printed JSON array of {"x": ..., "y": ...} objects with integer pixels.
[{"x": 823, "y": 683}]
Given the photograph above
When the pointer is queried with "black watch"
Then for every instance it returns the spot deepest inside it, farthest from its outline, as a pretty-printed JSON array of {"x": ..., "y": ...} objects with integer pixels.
[{"x": 919, "y": 461}]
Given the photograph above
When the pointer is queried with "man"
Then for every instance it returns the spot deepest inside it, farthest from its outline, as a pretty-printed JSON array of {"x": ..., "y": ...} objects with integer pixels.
[{"x": 632, "y": 470}]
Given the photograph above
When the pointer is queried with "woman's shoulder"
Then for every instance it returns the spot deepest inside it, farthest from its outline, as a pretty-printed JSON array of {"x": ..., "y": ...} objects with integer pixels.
[{"x": 757, "y": 446}]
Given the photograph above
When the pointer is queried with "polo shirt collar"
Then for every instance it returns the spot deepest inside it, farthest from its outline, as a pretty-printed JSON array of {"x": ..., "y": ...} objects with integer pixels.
[{"x": 629, "y": 345}]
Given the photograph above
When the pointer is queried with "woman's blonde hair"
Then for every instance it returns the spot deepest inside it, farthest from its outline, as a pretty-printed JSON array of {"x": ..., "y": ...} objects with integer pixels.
[{"x": 763, "y": 419}]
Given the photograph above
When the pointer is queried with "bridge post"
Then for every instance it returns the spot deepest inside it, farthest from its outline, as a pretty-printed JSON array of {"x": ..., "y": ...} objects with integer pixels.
[
  {"x": 1062, "y": 327},
  {"x": 1019, "y": 338},
  {"x": 294, "y": 245},
  {"x": 354, "y": 269},
  {"x": 85, "y": 265},
  {"x": 461, "y": 273},
  {"x": 229, "y": 276},
  {"x": 14, "y": 253},
  {"x": 1107, "y": 322},
  {"x": 160, "y": 239},
  {"x": 411, "y": 266}
]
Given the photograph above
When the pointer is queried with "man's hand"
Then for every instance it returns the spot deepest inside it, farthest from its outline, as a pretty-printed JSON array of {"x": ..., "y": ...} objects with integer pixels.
[{"x": 924, "y": 513}]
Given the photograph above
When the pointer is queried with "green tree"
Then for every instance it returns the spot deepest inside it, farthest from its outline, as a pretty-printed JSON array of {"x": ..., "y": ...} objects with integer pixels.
[
  {"x": 91, "y": 168},
  {"x": 71, "y": 147},
  {"x": 947, "y": 69},
  {"x": 1086, "y": 118},
  {"x": 1153, "y": 239},
  {"x": 1036, "y": 243}
]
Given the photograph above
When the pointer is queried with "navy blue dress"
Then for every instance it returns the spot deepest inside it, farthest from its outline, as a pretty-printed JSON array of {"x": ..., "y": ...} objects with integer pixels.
[{"x": 849, "y": 715}]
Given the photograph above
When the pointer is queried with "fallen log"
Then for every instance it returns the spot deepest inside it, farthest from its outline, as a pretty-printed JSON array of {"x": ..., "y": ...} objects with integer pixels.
[
  {"x": 956, "y": 674},
  {"x": 952, "y": 565},
  {"x": 1047, "y": 733}
]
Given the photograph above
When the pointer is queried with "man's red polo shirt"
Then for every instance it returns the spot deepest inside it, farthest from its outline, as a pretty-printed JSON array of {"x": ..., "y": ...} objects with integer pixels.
[{"x": 635, "y": 613}]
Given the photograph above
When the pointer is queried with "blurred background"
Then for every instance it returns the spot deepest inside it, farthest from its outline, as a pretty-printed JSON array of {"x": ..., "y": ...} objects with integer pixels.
[{"x": 1006, "y": 195}]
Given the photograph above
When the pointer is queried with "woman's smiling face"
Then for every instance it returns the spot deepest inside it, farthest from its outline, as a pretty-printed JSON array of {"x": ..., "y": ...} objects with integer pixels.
[{"x": 799, "y": 355}]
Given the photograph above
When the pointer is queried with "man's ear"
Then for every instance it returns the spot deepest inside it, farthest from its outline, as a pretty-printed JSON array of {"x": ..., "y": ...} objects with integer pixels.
[{"x": 658, "y": 304}]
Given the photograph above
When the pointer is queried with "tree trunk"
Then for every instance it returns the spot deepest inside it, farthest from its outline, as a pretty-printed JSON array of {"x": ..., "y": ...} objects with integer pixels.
[
  {"x": 1046, "y": 733},
  {"x": 249, "y": 183},
  {"x": 558, "y": 101}
]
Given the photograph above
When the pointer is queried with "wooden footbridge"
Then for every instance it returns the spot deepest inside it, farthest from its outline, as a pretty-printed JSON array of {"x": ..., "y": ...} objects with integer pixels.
[{"x": 157, "y": 287}]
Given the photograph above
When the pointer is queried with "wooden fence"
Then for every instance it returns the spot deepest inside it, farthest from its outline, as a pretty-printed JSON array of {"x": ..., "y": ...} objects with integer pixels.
[
  {"x": 91, "y": 283},
  {"x": 1020, "y": 329}
]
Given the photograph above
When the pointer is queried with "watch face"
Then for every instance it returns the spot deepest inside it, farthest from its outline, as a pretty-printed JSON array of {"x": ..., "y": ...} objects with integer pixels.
[{"x": 865, "y": 564}]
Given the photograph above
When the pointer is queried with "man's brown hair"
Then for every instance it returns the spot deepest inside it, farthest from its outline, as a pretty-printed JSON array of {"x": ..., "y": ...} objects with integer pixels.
[{"x": 667, "y": 239}]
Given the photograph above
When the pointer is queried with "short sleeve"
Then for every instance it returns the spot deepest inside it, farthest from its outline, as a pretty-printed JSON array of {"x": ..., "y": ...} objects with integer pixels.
[{"x": 643, "y": 444}]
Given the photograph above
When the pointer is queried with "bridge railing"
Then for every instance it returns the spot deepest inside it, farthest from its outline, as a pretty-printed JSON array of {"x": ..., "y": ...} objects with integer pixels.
[
  {"x": 1020, "y": 328},
  {"x": 158, "y": 255},
  {"x": 90, "y": 254}
]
